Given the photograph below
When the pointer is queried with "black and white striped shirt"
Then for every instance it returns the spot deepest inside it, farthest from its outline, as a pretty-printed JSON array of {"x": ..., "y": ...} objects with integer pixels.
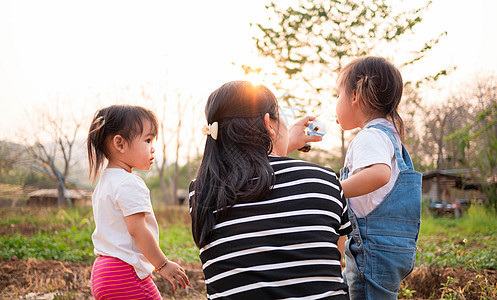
[{"x": 285, "y": 245}]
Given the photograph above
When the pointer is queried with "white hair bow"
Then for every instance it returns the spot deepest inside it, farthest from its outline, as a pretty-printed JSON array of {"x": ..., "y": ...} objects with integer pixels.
[{"x": 211, "y": 130}]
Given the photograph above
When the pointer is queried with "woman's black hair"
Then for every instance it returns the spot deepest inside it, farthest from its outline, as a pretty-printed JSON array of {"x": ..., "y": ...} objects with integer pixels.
[
  {"x": 235, "y": 168},
  {"x": 124, "y": 120}
]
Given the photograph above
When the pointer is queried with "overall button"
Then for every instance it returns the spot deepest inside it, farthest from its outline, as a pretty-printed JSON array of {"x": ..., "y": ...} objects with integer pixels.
[
  {"x": 358, "y": 242},
  {"x": 354, "y": 226}
]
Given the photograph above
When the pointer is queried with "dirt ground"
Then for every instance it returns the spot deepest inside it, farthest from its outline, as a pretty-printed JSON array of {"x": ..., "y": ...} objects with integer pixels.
[
  {"x": 48, "y": 279},
  {"x": 432, "y": 283},
  {"x": 39, "y": 279}
]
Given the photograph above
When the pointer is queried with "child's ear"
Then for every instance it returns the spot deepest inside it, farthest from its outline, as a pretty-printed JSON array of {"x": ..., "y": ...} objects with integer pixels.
[
  {"x": 269, "y": 126},
  {"x": 355, "y": 98},
  {"x": 118, "y": 143}
]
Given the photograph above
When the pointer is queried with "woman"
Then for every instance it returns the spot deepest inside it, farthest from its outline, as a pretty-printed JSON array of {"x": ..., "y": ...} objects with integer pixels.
[{"x": 267, "y": 225}]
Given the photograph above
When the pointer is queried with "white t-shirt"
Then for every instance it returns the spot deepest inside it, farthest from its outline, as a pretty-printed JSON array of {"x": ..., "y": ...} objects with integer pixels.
[
  {"x": 372, "y": 146},
  {"x": 119, "y": 194}
]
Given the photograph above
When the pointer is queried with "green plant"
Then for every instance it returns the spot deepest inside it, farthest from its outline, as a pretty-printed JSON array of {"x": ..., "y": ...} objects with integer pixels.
[
  {"x": 487, "y": 290},
  {"x": 406, "y": 293},
  {"x": 42, "y": 246},
  {"x": 449, "y": 289},
  {"x": 467, "y": 242},
  {"x": 76, "y": 217},
  {"x": 71, "y": 241},
  {"x": 479, "y": 218},
  {"x": 479, "y": 137},
  {"x": 176, "y": 241},
  {"x": 479, "y": 288},
  {"x": 64, "y": 296}
]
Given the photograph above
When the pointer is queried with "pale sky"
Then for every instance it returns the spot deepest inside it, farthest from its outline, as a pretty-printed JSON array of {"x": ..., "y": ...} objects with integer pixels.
[{"x": 77, "y": 49}]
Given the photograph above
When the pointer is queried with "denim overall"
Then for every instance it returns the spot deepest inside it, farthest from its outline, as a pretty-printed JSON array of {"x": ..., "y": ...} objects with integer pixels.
[{"x": 381, "y": 249}]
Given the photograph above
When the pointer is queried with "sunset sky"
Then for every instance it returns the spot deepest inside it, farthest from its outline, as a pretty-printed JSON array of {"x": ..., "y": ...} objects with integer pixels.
[{"x": 77, "y": 49}]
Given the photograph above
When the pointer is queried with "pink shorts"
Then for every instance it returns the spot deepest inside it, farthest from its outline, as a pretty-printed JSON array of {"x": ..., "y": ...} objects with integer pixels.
[{"x": 112, "y": 278}]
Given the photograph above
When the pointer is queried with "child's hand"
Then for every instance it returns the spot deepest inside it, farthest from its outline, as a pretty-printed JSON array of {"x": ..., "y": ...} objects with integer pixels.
[{"x": 174, "y": 272}]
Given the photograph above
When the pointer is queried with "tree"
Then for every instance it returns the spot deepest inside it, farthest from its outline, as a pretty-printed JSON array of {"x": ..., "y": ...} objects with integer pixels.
[
  {"x": 9, "y": 155},
  {"x": 54, "y": 133},
  {"x": 440, "y": 120},
  {"x": 479, "y": 138},
  {"x": 175, "y": 140},
  {"x": 175, "y": 133},
  {"x": 178, "y": 137},
  {"x": 312, "y": 41}
]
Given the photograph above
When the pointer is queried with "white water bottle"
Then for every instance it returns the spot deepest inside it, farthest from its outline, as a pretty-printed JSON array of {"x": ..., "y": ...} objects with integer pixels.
[{"x": 317, "y": 127}]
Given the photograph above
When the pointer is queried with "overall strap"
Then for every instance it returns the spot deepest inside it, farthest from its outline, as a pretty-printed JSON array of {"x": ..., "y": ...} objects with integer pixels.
[{"x": 398, "y": 155}]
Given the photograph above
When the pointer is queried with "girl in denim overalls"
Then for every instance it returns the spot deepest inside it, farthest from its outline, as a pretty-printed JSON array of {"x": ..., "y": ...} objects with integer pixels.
[{"x": 382, "y": 189}]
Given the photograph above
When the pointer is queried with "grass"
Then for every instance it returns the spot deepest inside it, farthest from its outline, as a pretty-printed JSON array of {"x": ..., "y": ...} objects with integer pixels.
[
  {"x": 42, "y": 246},
  {"x": 469, "y": 242},
  {"x": 65, "y": 235},
  {"x": 24, "y": 215},
  {"x": 177, "y": 241},
  {"x": 72, "y": 241}
]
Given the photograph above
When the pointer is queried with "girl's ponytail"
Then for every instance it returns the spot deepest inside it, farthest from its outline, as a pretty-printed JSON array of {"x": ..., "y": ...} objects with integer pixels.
[
  {"x": 398, "y": 122},
  {"x": 95, "y": 145}
]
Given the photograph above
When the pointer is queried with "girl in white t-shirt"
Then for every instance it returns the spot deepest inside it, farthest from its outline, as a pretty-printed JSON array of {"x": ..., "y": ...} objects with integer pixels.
[
  {"x": 382, "y": 189},
  {"x": 126, "y": 233}
]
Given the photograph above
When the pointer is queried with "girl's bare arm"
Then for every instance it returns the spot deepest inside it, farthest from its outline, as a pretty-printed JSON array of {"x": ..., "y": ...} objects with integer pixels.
[
  {"x": 367, "y": 180},
  {"x": 147, "y": 244}
]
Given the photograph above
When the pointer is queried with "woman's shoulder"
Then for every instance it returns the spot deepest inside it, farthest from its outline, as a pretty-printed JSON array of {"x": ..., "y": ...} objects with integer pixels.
[
  {"x": 191, "y": 187},
  {"x": 289, "y": 162}
]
